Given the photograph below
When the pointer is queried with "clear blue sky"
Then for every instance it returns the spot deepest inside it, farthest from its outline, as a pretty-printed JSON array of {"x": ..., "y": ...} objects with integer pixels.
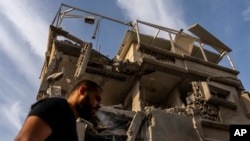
[{"x": 24, "y": 29}]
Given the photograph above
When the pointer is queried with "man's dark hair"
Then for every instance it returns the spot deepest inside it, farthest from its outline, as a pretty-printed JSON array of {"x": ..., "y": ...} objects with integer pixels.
[{"x": 89, "y": 84}]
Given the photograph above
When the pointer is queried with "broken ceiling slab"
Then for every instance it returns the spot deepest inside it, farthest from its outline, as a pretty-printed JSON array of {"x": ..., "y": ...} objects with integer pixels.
[
  {"x": 208, "y": 38},
  {"x": 135, "y": 126},
  {"x": 123, "y": 113},
  {"x": 164, "y": 126}
]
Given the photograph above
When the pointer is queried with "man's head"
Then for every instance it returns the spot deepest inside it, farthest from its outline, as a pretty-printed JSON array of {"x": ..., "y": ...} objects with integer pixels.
[{"x": 85, "y": 98}]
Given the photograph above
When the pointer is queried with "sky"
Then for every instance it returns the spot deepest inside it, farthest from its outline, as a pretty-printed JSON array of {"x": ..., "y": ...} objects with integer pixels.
[{"x": 24, "y": 29}]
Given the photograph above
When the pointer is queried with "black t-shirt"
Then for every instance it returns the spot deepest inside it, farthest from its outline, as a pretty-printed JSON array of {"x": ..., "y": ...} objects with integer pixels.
[{"x": 59, "y": 116}]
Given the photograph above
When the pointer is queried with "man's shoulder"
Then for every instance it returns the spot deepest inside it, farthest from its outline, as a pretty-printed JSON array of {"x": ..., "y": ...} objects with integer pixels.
[
  {"x": 50, "y": 107},
  {"x": 56, "y": 99},
  {"x": 50, "y": 101}
]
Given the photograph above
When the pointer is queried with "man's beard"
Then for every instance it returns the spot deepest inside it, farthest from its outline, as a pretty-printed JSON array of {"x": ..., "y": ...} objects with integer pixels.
[{"x": 84, "y": 109}]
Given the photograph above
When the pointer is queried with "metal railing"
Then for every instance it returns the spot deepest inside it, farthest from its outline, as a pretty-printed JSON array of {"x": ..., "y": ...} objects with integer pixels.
[
  {"x": 171, "y": 33},
  {"x": 67, "y": 11}
]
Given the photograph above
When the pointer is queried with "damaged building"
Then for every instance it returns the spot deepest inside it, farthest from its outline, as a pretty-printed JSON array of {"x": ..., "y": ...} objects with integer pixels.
[{"x": 168, "y": 85}]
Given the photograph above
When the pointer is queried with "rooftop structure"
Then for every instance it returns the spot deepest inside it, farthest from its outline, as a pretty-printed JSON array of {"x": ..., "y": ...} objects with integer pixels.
[{"x": 163, "y": 84}]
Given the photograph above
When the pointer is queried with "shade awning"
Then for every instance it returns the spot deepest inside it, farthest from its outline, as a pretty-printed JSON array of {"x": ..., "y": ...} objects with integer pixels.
[{"x": 208, "y": 38}]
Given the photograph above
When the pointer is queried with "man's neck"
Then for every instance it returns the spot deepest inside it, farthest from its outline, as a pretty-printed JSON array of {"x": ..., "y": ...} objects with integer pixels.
[{"x": 73, "y": 107}]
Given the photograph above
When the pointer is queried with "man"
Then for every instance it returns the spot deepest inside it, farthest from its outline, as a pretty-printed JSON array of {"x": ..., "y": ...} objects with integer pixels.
[{"x": 55, "y": 118}]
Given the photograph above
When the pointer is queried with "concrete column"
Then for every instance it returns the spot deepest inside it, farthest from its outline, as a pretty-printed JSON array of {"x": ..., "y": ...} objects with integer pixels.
[{"x": 136, "y": 97}]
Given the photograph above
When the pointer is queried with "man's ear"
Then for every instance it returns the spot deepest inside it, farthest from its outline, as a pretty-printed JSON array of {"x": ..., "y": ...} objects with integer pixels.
[{"x": 82, "y": 90}]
